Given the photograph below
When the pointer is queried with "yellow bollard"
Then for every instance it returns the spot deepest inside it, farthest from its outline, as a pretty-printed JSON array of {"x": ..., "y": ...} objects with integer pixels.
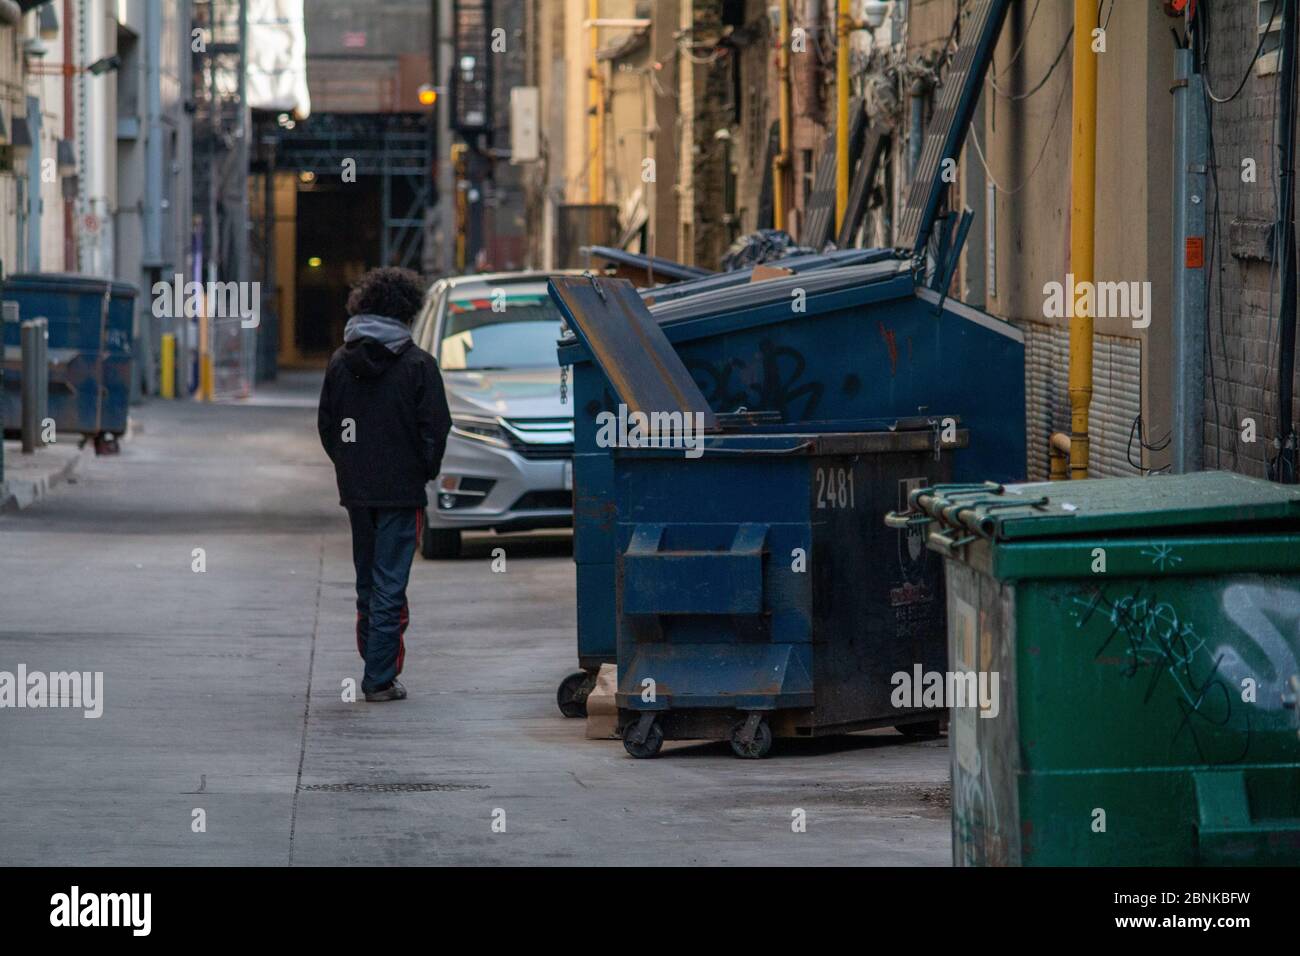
[
  {"x": 205, "y": 378},
  {"x": 167, "y": 374}
]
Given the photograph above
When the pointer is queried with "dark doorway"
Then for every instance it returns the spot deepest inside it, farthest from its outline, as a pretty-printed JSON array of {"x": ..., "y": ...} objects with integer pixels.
[{"x": 338, "y": 240}]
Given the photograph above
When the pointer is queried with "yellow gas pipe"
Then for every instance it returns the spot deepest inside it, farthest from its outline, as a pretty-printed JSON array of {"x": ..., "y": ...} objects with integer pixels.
[
  {"x": 1058, "y": 449},
  {"x": 1083, "y": 181},
  {"x": 781, "y": 162},
  {"x": 596, "y": 109}
]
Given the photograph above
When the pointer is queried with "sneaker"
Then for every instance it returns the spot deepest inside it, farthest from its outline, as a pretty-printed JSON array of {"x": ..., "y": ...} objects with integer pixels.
[{"x": 394, "y": 691}]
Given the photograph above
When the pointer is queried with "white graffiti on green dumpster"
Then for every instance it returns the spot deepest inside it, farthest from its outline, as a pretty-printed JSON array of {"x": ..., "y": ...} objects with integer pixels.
[{"x": 1157, "y": 641}]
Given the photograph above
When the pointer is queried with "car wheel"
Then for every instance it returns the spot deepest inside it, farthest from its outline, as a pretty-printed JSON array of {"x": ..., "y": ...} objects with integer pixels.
[{"x": 437, "y": 543}]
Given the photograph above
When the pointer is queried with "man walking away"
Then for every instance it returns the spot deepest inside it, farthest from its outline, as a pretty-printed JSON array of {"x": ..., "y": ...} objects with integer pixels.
[{"x": 383, "y": 420}]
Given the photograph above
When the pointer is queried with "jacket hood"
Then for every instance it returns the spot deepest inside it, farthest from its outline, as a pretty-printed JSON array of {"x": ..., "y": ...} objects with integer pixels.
[{"x": 372, "y": 343}]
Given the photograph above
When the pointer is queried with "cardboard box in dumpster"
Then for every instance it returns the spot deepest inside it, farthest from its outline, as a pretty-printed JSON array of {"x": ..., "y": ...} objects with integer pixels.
[{"x": 602, "y": 712}]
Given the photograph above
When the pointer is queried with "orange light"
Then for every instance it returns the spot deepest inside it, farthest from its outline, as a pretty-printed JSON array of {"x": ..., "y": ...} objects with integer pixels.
[{"x": 428, "y": 96}]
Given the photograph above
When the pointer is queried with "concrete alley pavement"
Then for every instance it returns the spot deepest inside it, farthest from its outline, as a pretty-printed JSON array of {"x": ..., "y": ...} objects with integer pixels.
[{"x": 223, "y": 692}]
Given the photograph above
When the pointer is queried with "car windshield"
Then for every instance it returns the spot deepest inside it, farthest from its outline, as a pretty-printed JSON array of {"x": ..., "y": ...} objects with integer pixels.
[{"x": 499, "y": 329}]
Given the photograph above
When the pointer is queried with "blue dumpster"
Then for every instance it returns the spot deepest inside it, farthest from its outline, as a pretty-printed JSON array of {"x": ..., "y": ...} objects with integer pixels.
[
  {"x": 90, "y": 326},
  {"x": 837, "y": 349},
  {"x": 773, "y": 609},
  {"x": 757, "y": 592},
  {"x": 854, "y": 336}
]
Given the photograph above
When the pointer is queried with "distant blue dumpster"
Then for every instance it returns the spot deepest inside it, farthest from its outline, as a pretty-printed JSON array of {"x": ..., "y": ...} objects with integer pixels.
[
  {"x": 90, "y": 325},
  {"x": 754, "y": 598},
  {"x": 836, "y": 349}
]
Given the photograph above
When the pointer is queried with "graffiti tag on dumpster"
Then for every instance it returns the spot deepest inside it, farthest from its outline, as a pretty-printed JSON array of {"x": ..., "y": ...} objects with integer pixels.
[
  {"x": 1158, "y": 646},
  {"x": 780, "y": 387}
]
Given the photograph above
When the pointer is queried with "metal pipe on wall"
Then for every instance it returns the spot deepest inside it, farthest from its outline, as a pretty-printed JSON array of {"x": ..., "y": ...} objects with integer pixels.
[
  {"x": 69, "y": 133},
  {"x": 212, "y": 254},
  {"x": 36, "y": 130},
  {"x": 1286, "y": 467},
  {"x": 1187, "y": 373},
  {"x": 242, "y": 252},
  {"x": 242, "y": 153},
  {"x": 843, "y": 24},
  {"x": 153, "y": 155},
  {"x": 146, "y": 330}
]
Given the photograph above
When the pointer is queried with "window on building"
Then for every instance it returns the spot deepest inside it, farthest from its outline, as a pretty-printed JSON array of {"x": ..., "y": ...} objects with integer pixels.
[{"x": 1268, "y": 16}]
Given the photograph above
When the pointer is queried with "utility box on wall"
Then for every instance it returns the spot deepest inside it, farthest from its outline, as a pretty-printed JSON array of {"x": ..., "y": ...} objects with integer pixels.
[{"x": 525, "y": 134}]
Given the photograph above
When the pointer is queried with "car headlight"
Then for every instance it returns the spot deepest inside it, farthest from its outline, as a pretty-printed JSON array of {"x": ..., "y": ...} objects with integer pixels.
[{"x": 480, "y": 428}]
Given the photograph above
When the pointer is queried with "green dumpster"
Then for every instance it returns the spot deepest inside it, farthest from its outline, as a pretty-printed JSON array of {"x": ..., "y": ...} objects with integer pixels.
[{"x": 1144, "y": 636}]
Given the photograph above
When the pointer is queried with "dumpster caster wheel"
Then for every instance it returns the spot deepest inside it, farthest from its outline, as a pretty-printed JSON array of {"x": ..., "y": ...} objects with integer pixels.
[
  {"x": 106, "y": 444},
  {"x": 572, "y": 693},
  {"x": 751, "y": 738},
  {"x": 643, "y": 741},
  {"x": 927, "y": 728}
]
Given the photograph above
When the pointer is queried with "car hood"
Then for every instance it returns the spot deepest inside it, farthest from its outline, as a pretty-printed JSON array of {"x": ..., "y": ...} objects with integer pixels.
[{"x": 520, "y": 393}]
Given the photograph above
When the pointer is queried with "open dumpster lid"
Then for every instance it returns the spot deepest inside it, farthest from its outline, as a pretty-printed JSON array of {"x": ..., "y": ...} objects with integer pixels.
[
  {"x": 1104, "y": 505},
  {"x": 610, "y": 319}
]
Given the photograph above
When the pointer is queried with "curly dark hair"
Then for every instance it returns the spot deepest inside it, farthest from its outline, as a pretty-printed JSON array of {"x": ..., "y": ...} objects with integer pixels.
[{"x": 396, "y": 293}]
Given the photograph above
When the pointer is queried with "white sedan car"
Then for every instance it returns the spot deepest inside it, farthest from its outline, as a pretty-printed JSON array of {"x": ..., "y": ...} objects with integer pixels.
[{"x": 509, "y": 459}]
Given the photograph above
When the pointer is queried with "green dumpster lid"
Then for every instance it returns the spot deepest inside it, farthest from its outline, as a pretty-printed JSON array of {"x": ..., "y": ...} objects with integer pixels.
[{"x": 1129, "y": 504}]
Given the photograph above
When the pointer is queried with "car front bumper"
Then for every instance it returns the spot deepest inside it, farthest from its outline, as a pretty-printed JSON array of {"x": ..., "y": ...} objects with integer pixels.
[{"x": 501, "y": 489}]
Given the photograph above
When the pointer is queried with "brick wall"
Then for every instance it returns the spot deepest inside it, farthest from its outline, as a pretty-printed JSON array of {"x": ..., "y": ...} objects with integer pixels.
[{"x": 1244, "y": 342}]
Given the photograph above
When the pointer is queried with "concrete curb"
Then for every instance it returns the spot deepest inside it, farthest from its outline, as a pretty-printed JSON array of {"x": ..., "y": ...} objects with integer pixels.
[{"x": 17, "y": 494}]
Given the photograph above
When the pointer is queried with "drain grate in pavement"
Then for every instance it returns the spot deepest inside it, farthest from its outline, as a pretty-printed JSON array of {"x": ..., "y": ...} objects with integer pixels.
[{"x": 392, "y": 787}]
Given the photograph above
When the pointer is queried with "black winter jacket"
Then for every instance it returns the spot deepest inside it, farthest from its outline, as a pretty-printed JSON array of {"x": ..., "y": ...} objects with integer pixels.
[{"x": 383, "y": 417}]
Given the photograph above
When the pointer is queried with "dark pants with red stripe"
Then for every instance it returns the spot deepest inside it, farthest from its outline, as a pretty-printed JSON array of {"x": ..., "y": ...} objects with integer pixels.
[{"x": 383, "y": 546}]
